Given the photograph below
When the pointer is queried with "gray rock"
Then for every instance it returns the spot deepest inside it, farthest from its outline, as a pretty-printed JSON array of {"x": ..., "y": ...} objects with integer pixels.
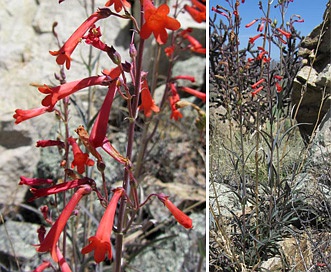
[{"x": 17, "y": 239}]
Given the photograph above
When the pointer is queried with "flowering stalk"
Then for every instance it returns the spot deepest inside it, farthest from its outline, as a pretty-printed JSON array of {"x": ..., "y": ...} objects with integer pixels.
[{"x": 52, "y": 237}]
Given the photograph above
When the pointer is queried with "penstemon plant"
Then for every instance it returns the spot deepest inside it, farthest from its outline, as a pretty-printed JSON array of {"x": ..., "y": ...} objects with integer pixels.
[{"x": 84, "y": 148}]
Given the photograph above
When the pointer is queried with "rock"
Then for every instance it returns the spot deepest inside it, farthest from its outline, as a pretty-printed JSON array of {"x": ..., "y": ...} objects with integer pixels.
[
  {"x": 178, "y": 247},
  {"x": 17, "y": 239},
  {"x": 298, "y": 252},
  {"x": 273, "y": 264},
  {"x": 312, "y": 88}
]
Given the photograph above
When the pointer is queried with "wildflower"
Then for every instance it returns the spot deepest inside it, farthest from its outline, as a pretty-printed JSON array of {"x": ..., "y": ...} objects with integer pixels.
[
  {"x": 46, "y": 143},
  {"x": 113, "y": 73},
  {"x": 147, "y": 102},
  {"x": 190, "y": 78},
  {"x": 157, "y": 21},
  {"x": 34, "y": 181},
  {"x": 261, "y": 55},
  {"x": 255, "y": 92},
  {"x": 283, "y": 32},
  {"x": 278, "y": 87},
  {"x": 261, "y": 27},
  {"x": 196, "y": 93},
  {"x": 80, "y": 159},
  {"x": 258, "y": 83},
  {"x": 118, "y": 4},
  {"x": 43, "y": 266},
  {"x": 169, "y": 51},
  {"x": 52, "y": 237},
  {"x": 59, "y": 92},
  {"x": 175, "y": 113},
  {"x": 197, "y": 11},
  {"x": 22, "y": 115},
  {"x": 173, "y": 99},
  {"x": 251, "y": 23},
  {"x": 265, "y": 59},
  {"x": 99, "y": 129},
  {"x": 253, "y": 39},
  {"x": 195, "y": 45},
  {"x": 64, "y": 54},
  {"x": 58, "y": 188},
  {"x": 100, "y": 243},
  {"x": 220, "y": 12},
  {"x": 278, "y": 77},
  {"x": 181, "y": 217},
  {"x": 93, "y": 38}
]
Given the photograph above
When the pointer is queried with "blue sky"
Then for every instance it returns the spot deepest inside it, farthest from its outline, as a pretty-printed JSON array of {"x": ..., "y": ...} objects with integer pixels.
[{"x": 310, "y": 10}]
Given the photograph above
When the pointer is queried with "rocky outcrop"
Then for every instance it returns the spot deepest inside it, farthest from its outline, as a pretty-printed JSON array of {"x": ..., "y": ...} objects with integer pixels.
[{"x": 312, "y": 85}]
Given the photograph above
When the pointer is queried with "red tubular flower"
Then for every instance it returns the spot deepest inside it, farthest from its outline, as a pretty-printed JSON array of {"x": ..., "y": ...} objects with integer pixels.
[
  {"x": 261, "y": 27},
  {"x": 59, "y": 92},
  {"x": 196, "y": 93},
  {"x": 34, "y": 181},
  {"x": 261, "y": 55},
  {"x": 157, "y": 21},
  {"x": 195, "y": 45},
  {"x": 169, "y": 51},
  {"x": 255, "y": 92},
  {"x": 52, "y": 237},
  {"x": 22, "y": 115},
  {"x": 59, "y": 188},
  {"x": 175, "y": 113},
  {"x": 253, "y": 39},
  {"x": 93, "y": 38},
  {"x": 197, "y": 11},
  {"x": 99, "y": 129},
  {"x": 46, "y": 143},
  {"x": 147, "y": 102},
  {"x": 113, "y": 73},
  {"x": 80, "y": 159},
  {"x": 181, "y": 217},
  {"x": 278, "y": 77},
  {"x": 185, "y": 77},
  {"x": 283, "y": 32},
  {"x": 64, "y": 54},
  {"x": 251, "y": 23},
  {"x": 100, "y": 243},
  {"x": 43, "y": 266},
  {"x": 173, "y": 99},
  {"x": 220, "y": 12},
  {"x": 118, "y": 4},
  {"x": 278, "y": 87},
  {"x": 258, "y": 83}
]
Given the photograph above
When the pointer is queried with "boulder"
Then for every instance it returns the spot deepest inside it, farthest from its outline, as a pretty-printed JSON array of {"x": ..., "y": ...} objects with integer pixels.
[{"x": 312, "y": 85}]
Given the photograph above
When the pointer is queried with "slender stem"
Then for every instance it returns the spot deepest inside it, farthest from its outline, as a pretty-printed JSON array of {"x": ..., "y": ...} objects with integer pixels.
[{"x": 126, "y": 179}]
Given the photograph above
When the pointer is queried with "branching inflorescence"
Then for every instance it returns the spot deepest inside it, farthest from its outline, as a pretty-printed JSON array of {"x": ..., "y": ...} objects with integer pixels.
[{"x": 82, "y": 149}]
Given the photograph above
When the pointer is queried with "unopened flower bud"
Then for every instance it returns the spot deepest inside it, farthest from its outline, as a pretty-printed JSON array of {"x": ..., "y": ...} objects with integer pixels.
[
  {"x": 114, "y": 55},
  {"x": 132, "y": 51}
]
